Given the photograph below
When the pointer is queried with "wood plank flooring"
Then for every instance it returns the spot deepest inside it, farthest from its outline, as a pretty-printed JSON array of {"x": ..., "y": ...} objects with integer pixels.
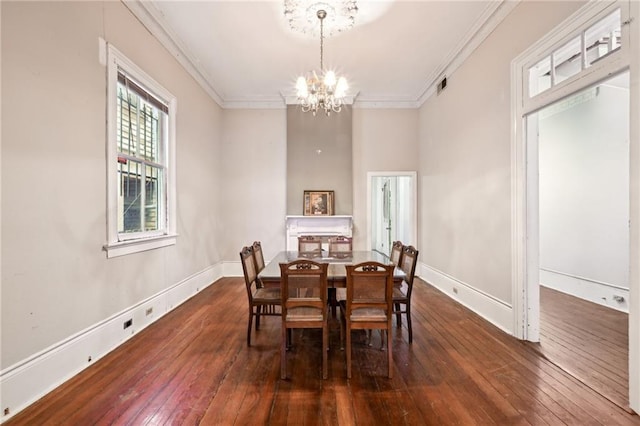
[
  {"x": 588, "y": 340},
  {"x": 193, "y": 367}
]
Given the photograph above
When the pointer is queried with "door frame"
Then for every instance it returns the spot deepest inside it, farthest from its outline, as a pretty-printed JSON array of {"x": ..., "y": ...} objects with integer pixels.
[
  {"x": 524, "y": 163},
  {"x": 413, "y": 175}
]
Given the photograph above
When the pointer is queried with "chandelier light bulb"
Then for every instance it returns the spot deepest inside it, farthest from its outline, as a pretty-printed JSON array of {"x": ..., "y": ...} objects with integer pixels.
[
  {"x": 301, "y": 87},
  {"x": 323, "y": 90},
  {"x": 341, "y": 87},
  {"x": 330, "y": 78}
]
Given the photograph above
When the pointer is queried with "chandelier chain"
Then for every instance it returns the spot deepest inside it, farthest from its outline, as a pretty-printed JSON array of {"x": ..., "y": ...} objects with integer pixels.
[
  {"x": 321, "y": 43},
  {"x": 324, "y": 91}
]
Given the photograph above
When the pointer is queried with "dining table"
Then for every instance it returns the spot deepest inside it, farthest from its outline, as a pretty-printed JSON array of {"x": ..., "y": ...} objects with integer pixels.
[{"x": 336, "y": 272}]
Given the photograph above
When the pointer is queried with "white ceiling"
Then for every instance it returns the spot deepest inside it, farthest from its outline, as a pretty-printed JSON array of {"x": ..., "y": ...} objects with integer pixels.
[{"x": 244, "y": 53}]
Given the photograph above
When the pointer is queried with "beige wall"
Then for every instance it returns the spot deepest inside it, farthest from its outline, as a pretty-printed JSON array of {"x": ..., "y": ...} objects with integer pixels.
[
  {"x": 254, "y": 158},
  {"x": 56, "y": 280},
  {"x": 319, "y": 158},
  {"x": 465, "y": 157},
  {"x": 383, "y": 140}
]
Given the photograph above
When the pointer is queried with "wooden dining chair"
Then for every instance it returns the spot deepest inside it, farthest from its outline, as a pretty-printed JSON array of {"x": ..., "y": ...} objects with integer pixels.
[
  {"x": 402, "y": 294},
  {"x": 340, "y": 246},
  {"x": 396, "y": 252},
  {"x": 258, "y": 257},
  {"x": 262, "y": 301},
  {"x": 303, "y": 286},
  {"x": 309, "y": 244},
  {"x": 368, "y": 304}
]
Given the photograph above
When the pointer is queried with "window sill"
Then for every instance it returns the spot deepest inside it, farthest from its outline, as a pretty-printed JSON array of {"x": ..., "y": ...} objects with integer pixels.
[{"x": 123, "y": 248}]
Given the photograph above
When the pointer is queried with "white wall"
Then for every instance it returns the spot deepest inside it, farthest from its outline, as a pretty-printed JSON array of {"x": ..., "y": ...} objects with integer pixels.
[
  {"x": 56, "y": 280},
  {"x": 254, "y": 164},
  {"x": 584, "y": 194},
  {"x": 383, "y": 140},
  {"x": 465, "y": 167}
]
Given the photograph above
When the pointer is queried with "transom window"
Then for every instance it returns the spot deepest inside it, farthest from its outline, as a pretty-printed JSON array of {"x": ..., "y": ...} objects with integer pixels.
[{"x": 590, "y": 46}]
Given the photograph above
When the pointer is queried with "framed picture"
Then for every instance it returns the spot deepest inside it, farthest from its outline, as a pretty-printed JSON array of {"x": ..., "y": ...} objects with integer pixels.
[{"x": 318, "y": 203}]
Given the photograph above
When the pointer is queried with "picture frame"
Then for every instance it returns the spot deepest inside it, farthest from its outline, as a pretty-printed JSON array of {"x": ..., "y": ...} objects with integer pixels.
[{"x": 318, "y": 203}]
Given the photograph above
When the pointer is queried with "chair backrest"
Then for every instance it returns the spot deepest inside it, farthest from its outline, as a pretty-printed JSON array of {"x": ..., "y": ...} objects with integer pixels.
[
  {"x": 258, "y": 256},
  {"x": 370, "y": 285},
  {"x": 303, "y": 288},
  {"x": 309, "y": 243},
  {"x": 249, "y": 269},
  {"x": 408, "y": 265},
  {"x": 396, "y": 252},
  {"x": 340, "y": 245}
]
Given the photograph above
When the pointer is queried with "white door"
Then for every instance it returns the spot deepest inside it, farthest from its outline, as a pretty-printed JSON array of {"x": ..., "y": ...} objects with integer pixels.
[{"x": 392, "y": 209}]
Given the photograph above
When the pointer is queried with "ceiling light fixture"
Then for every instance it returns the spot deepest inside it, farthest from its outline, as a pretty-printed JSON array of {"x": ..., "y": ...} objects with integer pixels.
[{"x": 325, "y": 92}]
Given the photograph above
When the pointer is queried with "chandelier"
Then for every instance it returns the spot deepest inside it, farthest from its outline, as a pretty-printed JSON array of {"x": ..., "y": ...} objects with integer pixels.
[{"x": 324, "y": 91}]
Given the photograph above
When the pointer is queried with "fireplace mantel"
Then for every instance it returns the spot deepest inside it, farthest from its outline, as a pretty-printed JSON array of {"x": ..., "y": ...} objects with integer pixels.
[{"x": 323, "y": 226}]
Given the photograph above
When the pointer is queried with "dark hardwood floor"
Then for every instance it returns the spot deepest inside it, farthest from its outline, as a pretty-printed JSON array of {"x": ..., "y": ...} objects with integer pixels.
[
  {"x": 193, "y": 367},
  {"x": 588, "y": 340}
]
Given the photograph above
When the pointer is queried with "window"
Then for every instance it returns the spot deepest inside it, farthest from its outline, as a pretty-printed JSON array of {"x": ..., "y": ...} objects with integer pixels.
[
  {"x": 140, "y": 159},
  {"x": 593, "y": 44}
]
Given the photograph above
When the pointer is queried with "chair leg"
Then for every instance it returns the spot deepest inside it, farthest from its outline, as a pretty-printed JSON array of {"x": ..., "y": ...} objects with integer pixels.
[
  {"x": 283, "y": 353},
  {"x": 258, "y": 310},
  {"x": 408, "y": 313},
  {"x": 250, "y": 324},
  {"x": 348, "y": 350},
  {"x": 398, "y": 315},
  {"x": 389, "y": 354},
  {"x": 325, "y": 344},
  {"x": 333, "y": 301},
  {"x": 342, "y": 327}
]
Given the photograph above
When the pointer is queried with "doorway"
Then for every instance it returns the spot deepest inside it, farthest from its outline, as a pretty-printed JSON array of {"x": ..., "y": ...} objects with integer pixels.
[
  {"x": 391, "y": 209},
  {"x": 582, "y": 145}
]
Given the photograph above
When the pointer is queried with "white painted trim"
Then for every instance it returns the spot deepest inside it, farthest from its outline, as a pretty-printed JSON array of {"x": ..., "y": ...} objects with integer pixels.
[
  {"x": 271, "y": 103},
  {"x": 116, "y": 245},
  {"x": 584, "y": 288},
  {"x": 151, "y": 18},
  {"x": 492, "y": 16},
  {"x": 389, "y": 103},
  {"x": 497, "y": 312},
  {"x": 124, "y": 248},
  {"x": 524, "y": 248},
  {"x": 634, "y": 210},
  {"x": 28, "y": 380}
]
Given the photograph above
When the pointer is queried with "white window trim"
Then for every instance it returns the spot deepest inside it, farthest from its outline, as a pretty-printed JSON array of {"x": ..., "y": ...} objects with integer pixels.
[{"x": 115, "y": 246}]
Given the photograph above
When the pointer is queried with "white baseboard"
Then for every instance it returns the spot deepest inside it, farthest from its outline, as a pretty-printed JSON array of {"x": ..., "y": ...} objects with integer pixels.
[
  {"x": 594, "y": 291},
  {"x": 488, "y": 307},
  {"x": 27, "y": 381}
]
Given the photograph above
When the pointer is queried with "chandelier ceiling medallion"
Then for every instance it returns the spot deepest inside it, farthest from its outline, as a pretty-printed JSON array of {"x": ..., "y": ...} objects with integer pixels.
[
  {"x": 302, "y": 15},
  {"x": 323, "y": 90}
]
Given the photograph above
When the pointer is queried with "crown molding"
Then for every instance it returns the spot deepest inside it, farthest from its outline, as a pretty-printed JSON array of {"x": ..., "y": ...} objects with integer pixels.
[
  {"x": 491, "y": 17},
  {"x": 270, "y": 102},
  {"x": 385, "y": 102},
  {"x": 152, "y": 20}
]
